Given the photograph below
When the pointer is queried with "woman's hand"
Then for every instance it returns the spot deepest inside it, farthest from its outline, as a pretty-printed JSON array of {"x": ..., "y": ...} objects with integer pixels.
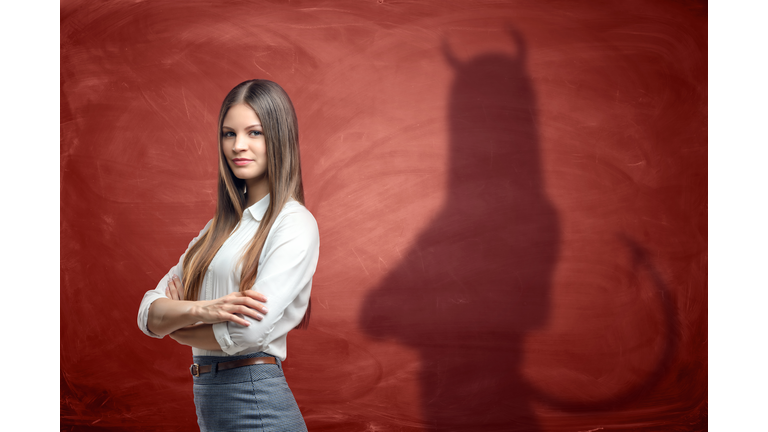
[
  {"x": 174, "y": 289},
  {"x": 223, "y": 308}
]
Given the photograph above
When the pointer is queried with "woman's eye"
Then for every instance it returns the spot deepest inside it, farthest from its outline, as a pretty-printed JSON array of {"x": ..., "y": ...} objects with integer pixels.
[
  {"x": 227, "y": 134},
  {"x": 255, "y": 133}
]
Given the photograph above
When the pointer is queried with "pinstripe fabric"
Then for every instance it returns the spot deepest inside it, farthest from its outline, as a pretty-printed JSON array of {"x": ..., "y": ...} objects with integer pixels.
[{"x": 249, "y": 398}]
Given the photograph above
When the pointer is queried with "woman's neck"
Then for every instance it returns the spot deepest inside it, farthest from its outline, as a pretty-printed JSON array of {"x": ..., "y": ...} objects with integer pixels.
[{"x": 255, "y": 190}]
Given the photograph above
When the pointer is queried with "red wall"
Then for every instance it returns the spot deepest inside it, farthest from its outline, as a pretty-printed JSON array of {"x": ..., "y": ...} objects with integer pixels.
[{"x": 512, "y": 201}]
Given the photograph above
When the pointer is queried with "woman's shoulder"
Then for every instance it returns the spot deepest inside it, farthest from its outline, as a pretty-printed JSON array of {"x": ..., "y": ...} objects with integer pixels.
[
  {"x": 206, "y": 227},
  {"x": 200, "y": 234},
  {"x": 295, "y": 210},
  {"x": 296, "y": 216}
]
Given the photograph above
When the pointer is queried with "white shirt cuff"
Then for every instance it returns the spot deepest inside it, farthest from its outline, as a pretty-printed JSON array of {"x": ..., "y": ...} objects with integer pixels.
[
  {"x": 149, "y": 298},
  {"x": 221, "y": 333}
]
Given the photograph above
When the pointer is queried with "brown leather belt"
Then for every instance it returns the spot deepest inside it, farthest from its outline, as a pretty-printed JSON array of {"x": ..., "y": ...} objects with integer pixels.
[{"x": 196, "y": 369}]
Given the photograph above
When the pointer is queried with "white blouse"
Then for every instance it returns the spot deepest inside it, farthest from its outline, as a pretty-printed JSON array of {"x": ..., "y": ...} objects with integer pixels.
[{"x": 286, "y": 266}]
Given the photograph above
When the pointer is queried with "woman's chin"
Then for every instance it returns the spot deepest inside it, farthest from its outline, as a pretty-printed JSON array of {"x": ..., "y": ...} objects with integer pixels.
[{"x": 248, "y": 176}]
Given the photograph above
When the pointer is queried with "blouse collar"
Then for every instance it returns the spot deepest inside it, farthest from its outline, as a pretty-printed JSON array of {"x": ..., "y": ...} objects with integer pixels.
[{"x": 256, "y": 211}]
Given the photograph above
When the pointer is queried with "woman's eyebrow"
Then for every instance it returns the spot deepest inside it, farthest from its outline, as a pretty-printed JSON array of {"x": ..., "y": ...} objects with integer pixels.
[{"x": 247, "y": 127}]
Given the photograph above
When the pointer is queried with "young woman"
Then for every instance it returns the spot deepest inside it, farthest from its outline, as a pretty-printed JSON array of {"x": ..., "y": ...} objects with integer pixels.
[{"x": 245, "y": 280}]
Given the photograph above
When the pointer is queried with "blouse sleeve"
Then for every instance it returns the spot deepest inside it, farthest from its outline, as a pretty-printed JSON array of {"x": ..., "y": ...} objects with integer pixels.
[
  {"x": 286, "y": 267},
  {"x": 159, "y": 291}
]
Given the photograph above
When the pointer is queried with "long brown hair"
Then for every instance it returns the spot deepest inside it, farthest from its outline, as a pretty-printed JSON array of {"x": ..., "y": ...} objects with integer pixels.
[{"x": 281, "y": 132}]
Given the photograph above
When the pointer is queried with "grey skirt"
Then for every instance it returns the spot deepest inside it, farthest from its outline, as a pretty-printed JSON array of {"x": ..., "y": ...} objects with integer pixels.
[{"x": 248, "y": 398}]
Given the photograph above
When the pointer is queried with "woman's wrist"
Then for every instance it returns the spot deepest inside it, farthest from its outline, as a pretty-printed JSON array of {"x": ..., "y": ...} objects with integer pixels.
[{"x": 196, "y": 310}]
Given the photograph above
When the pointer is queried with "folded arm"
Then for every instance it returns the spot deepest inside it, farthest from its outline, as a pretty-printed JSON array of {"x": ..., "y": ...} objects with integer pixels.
[
  {"x": 197, "y": 336},
  {"x": 167, "y": 316},
  {"x": 287, "y": 265},
  {"x": 159, "y": 315}
]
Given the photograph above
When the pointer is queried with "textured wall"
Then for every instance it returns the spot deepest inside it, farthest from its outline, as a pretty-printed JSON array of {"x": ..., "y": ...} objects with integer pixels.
[{"x": 512, "y": 201}]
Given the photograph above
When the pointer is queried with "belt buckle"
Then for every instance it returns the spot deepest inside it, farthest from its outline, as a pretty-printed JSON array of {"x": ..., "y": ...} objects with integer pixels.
[{"x": 195, "y": 370}]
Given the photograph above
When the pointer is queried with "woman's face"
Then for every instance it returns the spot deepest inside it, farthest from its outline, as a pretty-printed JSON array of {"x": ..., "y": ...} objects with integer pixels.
[{"x": 243, "y": 143}]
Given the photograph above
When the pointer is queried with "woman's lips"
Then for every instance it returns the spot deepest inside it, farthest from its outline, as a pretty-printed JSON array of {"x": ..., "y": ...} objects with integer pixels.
[{"x": 241, "y": 162}]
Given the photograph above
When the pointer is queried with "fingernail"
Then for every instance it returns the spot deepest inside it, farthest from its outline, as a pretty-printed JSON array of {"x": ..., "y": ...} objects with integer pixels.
[
  {"x": 259, "y": 316},
  {"x": 264, "y": 309}
]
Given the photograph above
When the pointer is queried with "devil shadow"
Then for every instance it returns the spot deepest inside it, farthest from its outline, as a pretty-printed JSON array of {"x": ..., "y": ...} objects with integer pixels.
[{"x": 478, "y": 279}]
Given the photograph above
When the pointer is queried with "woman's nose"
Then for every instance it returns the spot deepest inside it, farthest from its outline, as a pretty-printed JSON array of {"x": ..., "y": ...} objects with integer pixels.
[{"x": 240, "y": 144}]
